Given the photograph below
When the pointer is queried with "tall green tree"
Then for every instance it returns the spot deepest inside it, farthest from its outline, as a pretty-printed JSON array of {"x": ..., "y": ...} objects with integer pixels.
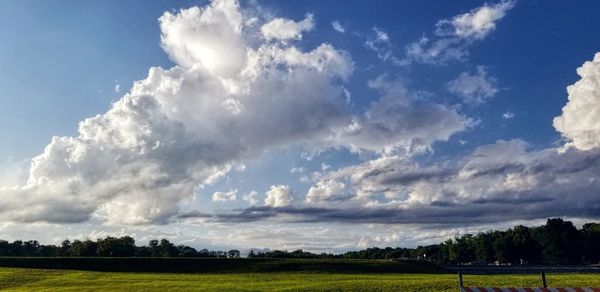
[
  {"x": 560, "y": 242},
  {"x": 590, "y": 233}
]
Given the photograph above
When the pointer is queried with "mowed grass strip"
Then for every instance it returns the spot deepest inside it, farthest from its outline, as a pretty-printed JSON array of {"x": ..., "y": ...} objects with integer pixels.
[
  {"x": 223, "y": 265},
  {"x": 15, "y": 279}
]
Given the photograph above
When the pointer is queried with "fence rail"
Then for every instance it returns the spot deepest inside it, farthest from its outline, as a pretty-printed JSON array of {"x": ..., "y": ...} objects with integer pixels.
[
  {"x": 540, "y": 289},
  {"x": 497, "y": 270},
  {"x": 544, "y": 287}
]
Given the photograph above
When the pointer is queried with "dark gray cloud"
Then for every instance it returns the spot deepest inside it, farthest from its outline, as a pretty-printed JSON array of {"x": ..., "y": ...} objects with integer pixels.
[
  {"x": 475, "y": 213},
  {"x": 498, "y": 182}
]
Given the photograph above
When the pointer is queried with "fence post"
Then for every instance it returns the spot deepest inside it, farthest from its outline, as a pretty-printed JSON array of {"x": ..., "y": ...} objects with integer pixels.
[
  {"x": 460, "y": 282},
  {"x": 543, "y": 278}
]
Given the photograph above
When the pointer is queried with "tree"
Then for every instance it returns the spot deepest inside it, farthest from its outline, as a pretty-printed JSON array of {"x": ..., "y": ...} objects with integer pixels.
[
  {"x": 49, "y": 251},
  {"x": 186, "y": 251},
  {"x": 234, "y": 253},
  {"x": 463, "y": 249},
  {"x": 116, "y": 247},
  {"x": 64, "y": 247},
  {"x": 503, "y": 248},
  {"x": 86, "y": 248},
  {"x": 89, "y": 248},
  {"x": 167, "y": 249},
  {"x": 75, "y": 248},
  {"x": 484, "y": 251},
  {"x": 17, "y": 248},
  {"x": 5, "y": 248},
  {"x": 204, "y": 253},
  {"x": 154, "y": 248},
  {"x": 591, "y": 242},
  {"x": 526, "y": 248},
  {"x": 560, "y": 242},
  {"x": 143, "y": 251},
  {"x": 31, "y": 248},
  {"x": 125, "y": 246}
]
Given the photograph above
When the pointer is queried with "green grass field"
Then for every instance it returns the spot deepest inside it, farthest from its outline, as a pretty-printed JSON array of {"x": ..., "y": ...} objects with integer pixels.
[
  {"x": 223, "y": 265},
  {"x": 17, "y": 279}
]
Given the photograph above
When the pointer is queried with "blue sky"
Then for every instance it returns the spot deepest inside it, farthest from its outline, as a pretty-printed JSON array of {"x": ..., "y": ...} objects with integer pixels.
[{"x": 339, "y": 123}]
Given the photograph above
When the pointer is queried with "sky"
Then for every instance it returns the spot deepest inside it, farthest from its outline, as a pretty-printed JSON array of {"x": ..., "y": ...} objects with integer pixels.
[{"x": 316, "y": 125}]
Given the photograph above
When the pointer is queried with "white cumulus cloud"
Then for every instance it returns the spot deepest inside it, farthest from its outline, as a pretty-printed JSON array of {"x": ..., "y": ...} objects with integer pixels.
[
  {"x": 210, "y": 36},
  {"x": 251, "y": 198},
  {"x": 230, "y": 96},
  {"x": 279, "y": 196},
  {"x": 326, "y": 191},
  {"x": 477, "y": 23},
  {"x": 579, "y": 123},
  {"x": 225, "y": 196},
  {"x": 186, "y": 126},
  {"x": 285, "y": 29},
  {"x": 400, "y": 122}
]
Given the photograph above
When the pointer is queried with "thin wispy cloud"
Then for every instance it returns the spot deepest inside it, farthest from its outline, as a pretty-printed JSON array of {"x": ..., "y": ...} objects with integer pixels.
[
  {"x": 452, "y": 37},
  {"x": 476, "y": 88},
  {"x": 337, "y": 26},
  {"x": 508, "y": 115}
]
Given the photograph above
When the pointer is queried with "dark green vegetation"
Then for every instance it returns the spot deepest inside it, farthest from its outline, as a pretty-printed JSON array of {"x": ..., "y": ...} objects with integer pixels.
[
  {"x": 224, "y": 265},
  {"x": 107, "y": 247},
  {"x": 556, "y": 242},
  {"x": 61, "y": 280}
]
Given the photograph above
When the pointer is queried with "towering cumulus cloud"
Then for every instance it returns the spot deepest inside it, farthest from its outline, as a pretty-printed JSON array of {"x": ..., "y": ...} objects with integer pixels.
[
  {"x": 580, "y": 119},
  {"x": 239, "y": 86},
  {"x": 210, "y": 37},
  {"x": 182, "y": 127}
]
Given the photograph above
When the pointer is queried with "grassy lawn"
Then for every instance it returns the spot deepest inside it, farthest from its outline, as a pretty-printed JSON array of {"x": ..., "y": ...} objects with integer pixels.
[
  {"x": 224, "y": 265},
  {"x": 16, "y": 279}
]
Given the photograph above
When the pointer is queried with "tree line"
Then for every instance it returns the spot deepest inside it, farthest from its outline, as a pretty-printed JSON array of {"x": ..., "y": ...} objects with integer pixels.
[
  {"x": 107, "y": 247},
  {"x": 556, "y": 242}
]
